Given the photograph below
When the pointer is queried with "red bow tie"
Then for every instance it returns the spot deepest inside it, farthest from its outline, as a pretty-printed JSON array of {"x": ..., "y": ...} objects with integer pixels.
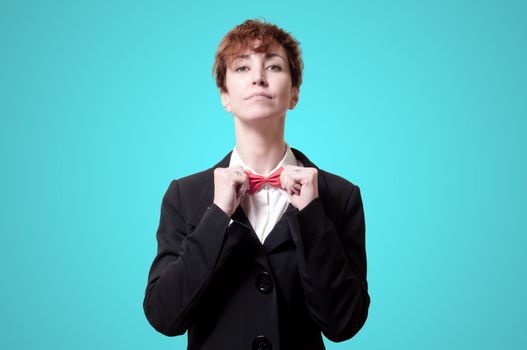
[{"x": 256, "y": 181}]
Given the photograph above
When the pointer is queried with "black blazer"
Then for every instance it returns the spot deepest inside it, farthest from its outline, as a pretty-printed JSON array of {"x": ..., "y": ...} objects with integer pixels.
[{"x": 230, "y": 291}]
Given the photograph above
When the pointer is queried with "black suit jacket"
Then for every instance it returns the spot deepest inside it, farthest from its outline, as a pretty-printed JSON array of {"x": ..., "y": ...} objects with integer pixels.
[{"x": 230, "y": 291}]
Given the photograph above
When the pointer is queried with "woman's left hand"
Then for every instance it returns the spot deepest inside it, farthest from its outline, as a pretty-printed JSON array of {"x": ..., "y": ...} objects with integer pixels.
[{"x": 301, "y": 183}]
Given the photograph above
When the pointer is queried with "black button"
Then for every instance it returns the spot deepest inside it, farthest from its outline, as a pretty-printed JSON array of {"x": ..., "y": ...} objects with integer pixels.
[
  {"x": 261, "y": 343},
  {"x": 264, "y": 283}
]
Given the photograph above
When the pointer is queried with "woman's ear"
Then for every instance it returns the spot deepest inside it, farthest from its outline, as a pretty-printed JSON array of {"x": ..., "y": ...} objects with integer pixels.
[
  {"x": 295, "y": 91},
  {"x": 225, "y": 101}
]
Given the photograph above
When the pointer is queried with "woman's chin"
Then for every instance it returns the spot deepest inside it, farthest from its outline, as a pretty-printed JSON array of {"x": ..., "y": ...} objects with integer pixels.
[{"x": 258, "y": 116}]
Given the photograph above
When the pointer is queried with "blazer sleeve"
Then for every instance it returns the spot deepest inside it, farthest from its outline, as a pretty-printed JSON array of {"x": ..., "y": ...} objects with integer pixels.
[
  {"x": 332, "y": 266},
  {"x": 183, "y": 265}
]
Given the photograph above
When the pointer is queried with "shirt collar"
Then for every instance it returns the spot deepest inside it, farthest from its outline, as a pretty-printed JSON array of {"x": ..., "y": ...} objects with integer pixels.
[{"x": 288, "y": 159}]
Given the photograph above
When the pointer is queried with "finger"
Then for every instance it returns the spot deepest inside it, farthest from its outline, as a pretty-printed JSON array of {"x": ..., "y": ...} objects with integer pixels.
[
  {"x": 296, "y": 176},
  {"x": 241, "y": 179},
  {"x": 297, "y": 187},
  {"x": 236, "y": 169},
  {"x": 244, "y": 187},
  {"x": 292, "y": 179}
]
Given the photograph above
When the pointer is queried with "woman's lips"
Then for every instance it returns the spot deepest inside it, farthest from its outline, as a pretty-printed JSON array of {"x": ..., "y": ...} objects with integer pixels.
[{"x": 259, "y": 96}]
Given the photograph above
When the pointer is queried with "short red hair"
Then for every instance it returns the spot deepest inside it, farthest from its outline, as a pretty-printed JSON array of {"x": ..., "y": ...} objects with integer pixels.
[{"x": 239, "y": 39}]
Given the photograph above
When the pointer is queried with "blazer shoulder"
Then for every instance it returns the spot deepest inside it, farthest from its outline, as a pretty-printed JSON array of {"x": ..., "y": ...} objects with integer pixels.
[
  {"x": 338, "y": 195},
  {"x": 194, "y": 181},
  {"x": 189, "y": 193},
  {"x": 336, "y": 184},
  {"x": 188, "y": 183}
]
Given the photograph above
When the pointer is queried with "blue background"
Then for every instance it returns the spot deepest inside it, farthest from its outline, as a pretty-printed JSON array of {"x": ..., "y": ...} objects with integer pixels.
[{"x": 423, "y": 104}]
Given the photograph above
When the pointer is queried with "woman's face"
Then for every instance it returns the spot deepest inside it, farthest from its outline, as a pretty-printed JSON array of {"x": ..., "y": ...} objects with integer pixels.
[{"x": 259, "y": 85}]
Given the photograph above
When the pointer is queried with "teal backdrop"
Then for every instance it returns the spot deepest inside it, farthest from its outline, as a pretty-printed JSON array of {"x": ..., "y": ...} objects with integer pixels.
[{"x": 423, "y": 104}]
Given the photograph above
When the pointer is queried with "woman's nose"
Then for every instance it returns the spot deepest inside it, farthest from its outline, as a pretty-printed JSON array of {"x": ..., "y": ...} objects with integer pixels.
[{"x": 259, "y": 77}]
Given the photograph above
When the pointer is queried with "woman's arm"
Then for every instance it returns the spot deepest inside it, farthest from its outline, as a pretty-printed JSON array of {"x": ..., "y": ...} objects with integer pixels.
[
  {"x": 184, "y": 264},
  {"x": 332, "y": 266}
]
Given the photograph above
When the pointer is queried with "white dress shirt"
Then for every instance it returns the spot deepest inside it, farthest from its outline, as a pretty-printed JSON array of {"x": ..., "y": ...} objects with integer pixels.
[{"x": 265, "y": 207}]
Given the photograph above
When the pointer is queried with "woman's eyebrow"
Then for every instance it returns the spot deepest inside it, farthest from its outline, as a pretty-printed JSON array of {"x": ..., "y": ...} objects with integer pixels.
[
  {"x": 267, "y": 55},
  {"x": 273, "y": 54}
]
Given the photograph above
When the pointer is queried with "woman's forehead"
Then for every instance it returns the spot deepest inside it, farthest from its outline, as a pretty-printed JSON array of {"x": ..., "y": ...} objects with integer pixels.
[{"x": 271, "y": 50}]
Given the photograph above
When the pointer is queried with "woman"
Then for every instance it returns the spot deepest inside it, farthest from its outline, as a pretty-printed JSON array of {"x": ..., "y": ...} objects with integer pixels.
[{"x": 264, "y": 250}]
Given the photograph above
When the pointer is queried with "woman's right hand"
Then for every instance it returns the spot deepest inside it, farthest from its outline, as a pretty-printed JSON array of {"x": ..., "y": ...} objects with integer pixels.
[{"x": 230, "y": 186}]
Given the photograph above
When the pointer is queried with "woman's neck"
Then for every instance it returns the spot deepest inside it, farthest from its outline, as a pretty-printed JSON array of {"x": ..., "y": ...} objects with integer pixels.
[{"x": 260, "y": 143}]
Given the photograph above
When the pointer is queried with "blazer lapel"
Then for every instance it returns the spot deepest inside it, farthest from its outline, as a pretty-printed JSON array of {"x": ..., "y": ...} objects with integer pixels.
[
  {"x": 276, "y": 237},
  {"x": 281, "y": 236},
  {"x": 206, "y": 196},
  {"x": 322, "y": 181}
]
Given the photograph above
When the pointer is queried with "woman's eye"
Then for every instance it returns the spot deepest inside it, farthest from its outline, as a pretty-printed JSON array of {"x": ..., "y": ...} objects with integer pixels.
[{"x": 274, "y": 67}]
